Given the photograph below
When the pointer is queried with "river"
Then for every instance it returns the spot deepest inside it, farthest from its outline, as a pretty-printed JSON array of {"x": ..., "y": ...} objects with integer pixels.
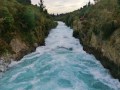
[{"x": 61, "y": 64}]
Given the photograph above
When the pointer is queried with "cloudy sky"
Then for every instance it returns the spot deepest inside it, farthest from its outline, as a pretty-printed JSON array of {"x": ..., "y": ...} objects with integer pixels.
[{"x": 62, "y": 6}]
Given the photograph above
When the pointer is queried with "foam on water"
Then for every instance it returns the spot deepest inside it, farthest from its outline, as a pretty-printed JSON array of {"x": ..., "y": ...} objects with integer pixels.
[{"x": 60, "y": 65}]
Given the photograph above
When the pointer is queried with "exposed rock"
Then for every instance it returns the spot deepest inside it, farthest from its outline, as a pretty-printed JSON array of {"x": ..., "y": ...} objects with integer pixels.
[
  {"x": 35, "y": 45},
  {"x": 17, "y": 45},
  {"x": 19, "y": 48}
]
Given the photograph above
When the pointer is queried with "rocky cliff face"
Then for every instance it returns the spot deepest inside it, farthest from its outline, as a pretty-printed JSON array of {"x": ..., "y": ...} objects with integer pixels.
[{"x": 107, "y": 51}]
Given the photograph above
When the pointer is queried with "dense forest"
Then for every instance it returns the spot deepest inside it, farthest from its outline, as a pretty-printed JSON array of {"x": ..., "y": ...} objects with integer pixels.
[
  {"x": 22, "y": 22},
  {"x": 98, "y": 28}
]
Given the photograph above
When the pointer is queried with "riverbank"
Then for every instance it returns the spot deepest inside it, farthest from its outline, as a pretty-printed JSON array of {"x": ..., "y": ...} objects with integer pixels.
[
  {"x": 23, "y": 27},
  {"x": 21, "y": 50},
  {"x": 97, "y": 26},
  {"x": 7, "y": 59},
  {"x": 113, "y": 68}
]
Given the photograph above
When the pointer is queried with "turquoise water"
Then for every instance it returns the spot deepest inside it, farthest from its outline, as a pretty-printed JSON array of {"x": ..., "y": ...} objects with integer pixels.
[{"x": 60, "y": 65}]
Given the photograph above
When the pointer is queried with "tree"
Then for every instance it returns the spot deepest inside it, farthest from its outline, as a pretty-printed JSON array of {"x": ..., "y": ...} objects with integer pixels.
[
  {"x": 42, "y": 7},
  {"x": 89, "y": 4}
]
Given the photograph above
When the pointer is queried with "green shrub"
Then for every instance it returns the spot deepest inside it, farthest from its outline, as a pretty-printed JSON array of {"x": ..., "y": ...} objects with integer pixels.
[
  {"x": 29, "y": 18},
  {"x": 8, "y": 22},
  {"x": 96, "y": 31},
  {"x": 8, "y": 19},
  {"x": 118, "y": 2},
  {"x": 108, "y": 29}
]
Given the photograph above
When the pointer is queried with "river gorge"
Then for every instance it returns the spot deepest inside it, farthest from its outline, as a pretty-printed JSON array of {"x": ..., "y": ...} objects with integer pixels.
[{"x": 61, "y": 64}]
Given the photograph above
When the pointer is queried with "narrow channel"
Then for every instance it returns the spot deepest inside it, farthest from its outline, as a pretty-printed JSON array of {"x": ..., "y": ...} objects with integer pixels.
[{"x": 61, "y": 64}]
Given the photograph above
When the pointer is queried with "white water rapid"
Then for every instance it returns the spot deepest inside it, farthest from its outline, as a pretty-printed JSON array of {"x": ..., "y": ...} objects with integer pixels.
[{"x": 59, "y": 65}]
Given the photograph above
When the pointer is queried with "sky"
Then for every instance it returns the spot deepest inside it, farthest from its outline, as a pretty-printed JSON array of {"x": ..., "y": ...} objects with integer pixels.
[{"x": 62, "y": 6}]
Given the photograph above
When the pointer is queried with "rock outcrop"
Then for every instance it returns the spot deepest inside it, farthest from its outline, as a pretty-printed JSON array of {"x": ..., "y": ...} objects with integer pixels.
[{"x": 18, "y": 47}]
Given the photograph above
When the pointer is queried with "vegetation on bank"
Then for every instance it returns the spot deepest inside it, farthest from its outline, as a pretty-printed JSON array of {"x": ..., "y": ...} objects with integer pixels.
[
  {"x": 98, "y": 28},
  {"x": 21, "y": 19},
  {"x": 101, "y": 18}
]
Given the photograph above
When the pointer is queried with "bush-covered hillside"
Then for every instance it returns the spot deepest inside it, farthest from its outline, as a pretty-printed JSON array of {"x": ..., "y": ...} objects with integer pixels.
[
  {"x": 103, "y": 18},
  {"x": 19, "y": 19},
  {"x": 98, "y": 28}
]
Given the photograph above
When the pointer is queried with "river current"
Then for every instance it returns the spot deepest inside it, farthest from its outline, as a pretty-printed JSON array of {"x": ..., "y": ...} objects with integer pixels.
[{"x": 61, "y": 64}]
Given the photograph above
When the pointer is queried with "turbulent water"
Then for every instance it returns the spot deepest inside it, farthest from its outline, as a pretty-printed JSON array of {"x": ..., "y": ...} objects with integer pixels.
[{"x": 60, "y": 65}]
